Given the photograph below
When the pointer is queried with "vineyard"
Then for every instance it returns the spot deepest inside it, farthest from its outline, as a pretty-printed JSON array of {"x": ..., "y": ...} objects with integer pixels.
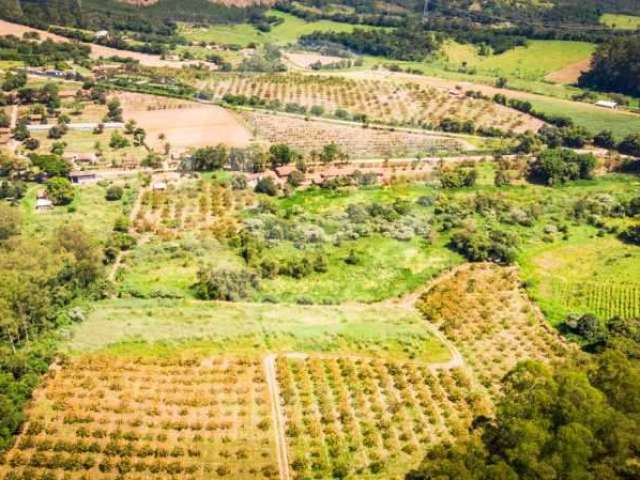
[
  {"x": 369, "y": 418},
  {"x": 195, "y": 206},
  {"x": 408, "y": 104},
  {"x": 357, "y": 142},
  {"x": 605, "y": 299},
  {"x": 104, "y": 417},
  {"x": 485, "y": 313}
]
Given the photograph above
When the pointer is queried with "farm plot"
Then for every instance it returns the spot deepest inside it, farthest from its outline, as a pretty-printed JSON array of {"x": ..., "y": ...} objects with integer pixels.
[
  {"x": 105, "y": 417},
  {"x": 589, "y": 275},
  {"x": 183, "y": 124},
  {"x": 369, "y": 418},
  {"x": 482, "y": 309},
  {"x": 195, "y": 206},
  {"x": 395, "y": 103},
  {"x": 357, "y": 142}
]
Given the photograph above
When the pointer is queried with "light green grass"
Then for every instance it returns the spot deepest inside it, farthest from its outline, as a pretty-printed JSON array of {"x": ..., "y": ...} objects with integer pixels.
[
  {"x": 532, "y": 62},
  {"x": 589, "y": 274},
  {"x": 89, "y": 209},
  {"x": 620, "y": 22},
  {"x": 245, "y": 33},
  {"x": 159, "y": 326}
]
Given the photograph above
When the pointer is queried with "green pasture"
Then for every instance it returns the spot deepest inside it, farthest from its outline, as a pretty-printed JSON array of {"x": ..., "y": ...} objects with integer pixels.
[
  {"x": 89, "y": 209},
  {"x": 620, "y": 22},
  {"x": 531, "y": 62},
  {"x": 245, "y": 33},
  {"x": 157, "y": 327}
]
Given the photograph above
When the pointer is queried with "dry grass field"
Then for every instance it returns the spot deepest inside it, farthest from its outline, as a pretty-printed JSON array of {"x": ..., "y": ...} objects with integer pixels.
[
  {"x": 399, "y": 103},
  {"x": 484, "y": 311},
  {"x": 104, "y": 417},
  {"x": 357, "y": 142},
  {"x": 184, "y": 124}
]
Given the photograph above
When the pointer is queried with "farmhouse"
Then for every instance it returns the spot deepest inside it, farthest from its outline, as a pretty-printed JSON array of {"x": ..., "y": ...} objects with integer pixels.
[{"x": 83, "y": 177}]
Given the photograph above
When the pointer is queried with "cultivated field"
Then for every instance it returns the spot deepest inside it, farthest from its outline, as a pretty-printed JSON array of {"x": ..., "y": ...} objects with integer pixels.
[
  {"x": 400, "y": 103},
  {"x": 369, "y": 418},
  {"x": 620, "y": 22},
  {"x": 357, "y": 142},
  {"x": 484, "y": 311},
  {"x": 184, "y": 124},
  {"x": 104, "y": 417},
  {"x": 191, "y": 206},
  {"x": 590, "y": 275}
]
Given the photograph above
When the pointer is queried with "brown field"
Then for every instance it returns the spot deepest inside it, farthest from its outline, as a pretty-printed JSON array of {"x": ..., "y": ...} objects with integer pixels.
[
  {"x": 397, "y": 103},
  {"x": 571, "y": 73},
  {"x": 105, "y": 417},
  {"x": 482, "y": 309},
  {"x": 185, "y": 124},
  {"x": 356, "y": 141},
  {"x": 231, "y": 3}
]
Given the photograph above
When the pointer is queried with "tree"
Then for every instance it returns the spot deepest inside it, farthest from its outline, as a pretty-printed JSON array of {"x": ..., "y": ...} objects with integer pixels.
[
  {"x": 458, "y": 177},
  {"x": 229, "y": 285},
  {"x": 559, "y": 165},
  {"x": 267, "y": 186},
  {"x": 10, "y": 221},
  {"x": 295, "y": 178},
  {"x": 114, "y": 111},
  {"x": 210, "y": 158},
  {"x": 604, "y": 139},
  {"x": 281, "y": 154},
  {"x": 630, "y": 145},
  {"x": 631, "y": 235},
  {"x": 52, "y": 165},
  {"x": 118, "y": 141},
  {"x": 114, "y": 193},
  {"x": 60, "y": 191}
]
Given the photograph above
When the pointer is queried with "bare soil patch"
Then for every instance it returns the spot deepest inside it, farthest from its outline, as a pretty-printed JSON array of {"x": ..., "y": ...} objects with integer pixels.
[
  {"x": 184, "y": 124},
  {"x": 306, "y": 59},
  {"x": 571, "y": 73}
]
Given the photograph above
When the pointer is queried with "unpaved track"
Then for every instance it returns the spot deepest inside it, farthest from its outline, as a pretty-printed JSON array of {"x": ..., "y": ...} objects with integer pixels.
[{"x": 277, "y": 416}]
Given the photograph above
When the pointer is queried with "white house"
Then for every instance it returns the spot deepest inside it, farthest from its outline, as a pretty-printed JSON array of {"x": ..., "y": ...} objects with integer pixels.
[{"x": 43, "y": 204}]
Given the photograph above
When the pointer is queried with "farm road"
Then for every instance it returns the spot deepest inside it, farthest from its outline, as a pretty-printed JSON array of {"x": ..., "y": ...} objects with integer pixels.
[{"x": 277, "y": 416}]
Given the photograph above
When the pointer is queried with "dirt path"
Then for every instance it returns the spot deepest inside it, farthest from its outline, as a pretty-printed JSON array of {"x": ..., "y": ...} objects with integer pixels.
[
  {"x": 13, "y": 144},
  {"x": 277, "y": 416},
  {"x": 132, "y": 216}
]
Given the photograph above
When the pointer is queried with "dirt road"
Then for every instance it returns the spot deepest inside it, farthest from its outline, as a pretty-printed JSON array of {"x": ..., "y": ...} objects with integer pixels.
[{"x": 277, "y": 416}]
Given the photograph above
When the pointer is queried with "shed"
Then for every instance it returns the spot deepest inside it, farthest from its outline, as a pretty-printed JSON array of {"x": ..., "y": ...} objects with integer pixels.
[
  {"x": 607, "y": 104},
  {"x": 43, "y": 204},
  {"x": 83, "y": 177}
]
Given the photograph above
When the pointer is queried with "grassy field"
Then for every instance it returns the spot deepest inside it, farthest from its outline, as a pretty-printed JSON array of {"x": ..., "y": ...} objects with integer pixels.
[
  {"x": 243, "y": 34},
  {"x": 244, "y": 328},
  {"x": 89, "y": 209},
  {"x": 620, "y": 22},
  {"x": 532, "y": 62},
  {"x": 588, "y": 275}
]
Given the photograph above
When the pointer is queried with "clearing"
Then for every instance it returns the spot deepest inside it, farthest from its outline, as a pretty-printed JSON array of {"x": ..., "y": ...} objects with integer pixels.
[{"x": 620, "y": 22}]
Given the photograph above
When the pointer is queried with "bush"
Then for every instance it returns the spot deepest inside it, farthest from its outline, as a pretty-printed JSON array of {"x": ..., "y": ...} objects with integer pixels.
[
  {"x": 229, "y": 285},
  {"x": 267, "y": 186},
  {"x": 484, "y": 245},
  {"x": 630, "y": 145},
  {"x": 114, "y": 193},
  {"x": 558, "y": 166},
  {"x": 458, "y": 177},
  {"x": 60, "y": 191},
  {"x": 631, "y": 235}
]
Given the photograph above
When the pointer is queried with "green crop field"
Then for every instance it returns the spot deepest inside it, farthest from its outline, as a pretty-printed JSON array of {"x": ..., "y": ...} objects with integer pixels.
[
  {"x": 243, "y": 34},
  {"x": 620, "y": 22},
  {"x": 533, "y": 62},
  {"x": 589, "y": 274}
]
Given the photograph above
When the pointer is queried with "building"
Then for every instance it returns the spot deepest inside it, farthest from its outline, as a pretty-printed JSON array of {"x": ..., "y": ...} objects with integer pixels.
[
  {"x": 101, "y": 34},
  {"x": 81, "y": 158},
  {"x": 83, "y": 177},
  {"x": 159, "y": 186},
  {"x": 607, "y": 104},
  {"x": 285, "y": 170},
  {"x": 43, "y": 204}
]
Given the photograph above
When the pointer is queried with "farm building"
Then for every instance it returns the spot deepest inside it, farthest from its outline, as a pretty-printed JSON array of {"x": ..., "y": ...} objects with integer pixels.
[
  {"x": 43, "y": 204},
  {"x": 285, "y": 170},
  {"x": 159, "y": 186},
  {"x": 78, "y": 158},
  {"x": 83, "y": 177},
  {"x": 607, "y": 104}
]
